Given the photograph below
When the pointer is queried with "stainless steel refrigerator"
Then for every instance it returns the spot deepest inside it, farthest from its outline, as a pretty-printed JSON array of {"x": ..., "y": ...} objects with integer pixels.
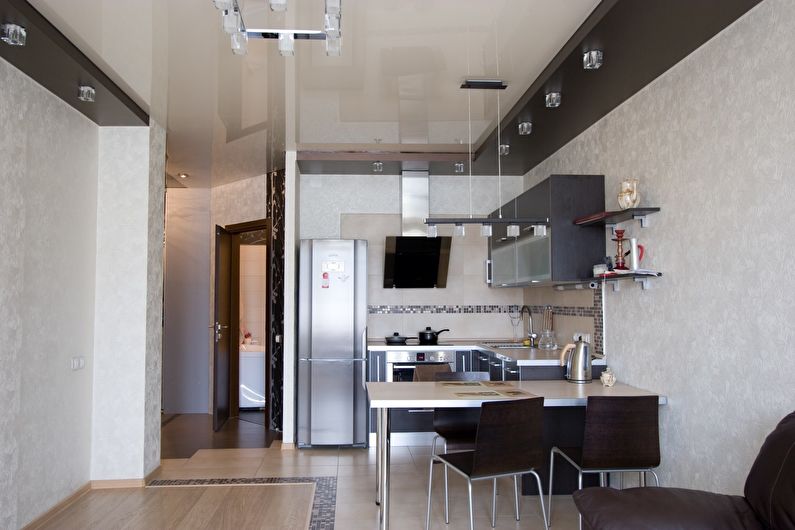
[{"x": 332, "y": 342}]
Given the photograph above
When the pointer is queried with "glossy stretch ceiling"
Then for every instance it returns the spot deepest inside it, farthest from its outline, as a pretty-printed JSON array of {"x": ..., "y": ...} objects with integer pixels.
[{"x": 395, "y": 85}]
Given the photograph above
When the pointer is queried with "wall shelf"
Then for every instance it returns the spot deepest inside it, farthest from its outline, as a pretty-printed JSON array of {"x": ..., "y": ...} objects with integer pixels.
[
  {"x": 642, "y": 279},
  {"x": 611, "y": 219}
]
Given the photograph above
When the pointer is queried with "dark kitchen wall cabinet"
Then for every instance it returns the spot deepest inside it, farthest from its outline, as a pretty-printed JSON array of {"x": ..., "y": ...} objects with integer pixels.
[{"x": 567, "y": 252}]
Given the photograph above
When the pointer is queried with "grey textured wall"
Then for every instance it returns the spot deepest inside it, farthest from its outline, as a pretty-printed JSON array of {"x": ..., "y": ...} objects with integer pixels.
[
  {"x": 713, "y": 144},
  {"x": 186, "y": 380},
  {"x": 48, "y": 204}
]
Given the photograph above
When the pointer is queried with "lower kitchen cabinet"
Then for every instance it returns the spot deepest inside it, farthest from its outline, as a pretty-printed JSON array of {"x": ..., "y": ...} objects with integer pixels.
[
  {"x": 463, "y": 360},
  {"x": 539, "y": 373}
]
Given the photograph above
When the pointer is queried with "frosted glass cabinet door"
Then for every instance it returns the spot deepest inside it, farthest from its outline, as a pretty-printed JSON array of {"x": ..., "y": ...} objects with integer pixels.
[
  {"x": 503, "y": 265},
  {"x": 533, "y": 259}
]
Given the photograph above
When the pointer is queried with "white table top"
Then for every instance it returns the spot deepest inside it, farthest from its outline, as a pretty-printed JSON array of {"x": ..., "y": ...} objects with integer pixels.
[{"x": 556, "y": 393}]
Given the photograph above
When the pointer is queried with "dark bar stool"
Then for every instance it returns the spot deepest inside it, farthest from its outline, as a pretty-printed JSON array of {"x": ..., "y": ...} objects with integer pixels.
[
  {"x": 457, "y": 427},
  {"x": 508, "y": 443},
  {"x": 621, "y": 434}
]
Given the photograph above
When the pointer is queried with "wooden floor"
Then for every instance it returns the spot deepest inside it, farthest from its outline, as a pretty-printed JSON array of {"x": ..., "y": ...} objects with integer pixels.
[
  {"x": 210, "y": 507},
  {"x": 354, "y": 471},
  {"x": 181, "y": 435}
]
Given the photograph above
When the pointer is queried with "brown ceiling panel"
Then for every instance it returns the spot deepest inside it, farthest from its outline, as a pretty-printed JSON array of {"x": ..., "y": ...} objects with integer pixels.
[
  {"x": 54, "y": 62},
  {"x": 640, "y": 41}
]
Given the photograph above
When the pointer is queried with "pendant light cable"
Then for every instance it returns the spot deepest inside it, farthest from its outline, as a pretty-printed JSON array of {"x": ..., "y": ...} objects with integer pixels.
[
  {"x": 499, "y": 139},
  {"x": 469, "y": 127}
]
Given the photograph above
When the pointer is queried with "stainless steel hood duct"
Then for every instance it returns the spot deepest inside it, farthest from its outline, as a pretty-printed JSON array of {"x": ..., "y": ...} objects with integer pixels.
[{"x": 414, "y": 199}]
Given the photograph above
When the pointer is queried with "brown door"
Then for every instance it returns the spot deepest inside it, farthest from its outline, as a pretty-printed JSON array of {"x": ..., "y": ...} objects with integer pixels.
[{"x": 222, "y": 329}]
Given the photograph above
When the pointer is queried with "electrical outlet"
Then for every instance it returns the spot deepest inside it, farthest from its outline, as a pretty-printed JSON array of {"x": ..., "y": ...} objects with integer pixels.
[
  {"x": 585, "y": 336},
  {"x": 78, "y": 363}
]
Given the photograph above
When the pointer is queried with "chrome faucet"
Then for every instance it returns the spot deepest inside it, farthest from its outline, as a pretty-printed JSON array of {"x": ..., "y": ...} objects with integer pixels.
[{"x": 530, "y": 334}]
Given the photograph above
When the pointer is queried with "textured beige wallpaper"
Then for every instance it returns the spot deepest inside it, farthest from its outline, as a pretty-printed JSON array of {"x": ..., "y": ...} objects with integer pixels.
[
  {"x": 48, "y": 198},
  {"x": 713, "y": 144}
]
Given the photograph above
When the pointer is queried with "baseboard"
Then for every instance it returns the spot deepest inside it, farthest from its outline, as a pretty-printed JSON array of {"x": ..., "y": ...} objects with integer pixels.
[
  {"x": 41, "y": 520},
  {"x": 117, "y": 483}
]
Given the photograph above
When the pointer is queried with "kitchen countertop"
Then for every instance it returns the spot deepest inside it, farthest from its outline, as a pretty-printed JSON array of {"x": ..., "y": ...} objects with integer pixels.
[{"x": 522, "y": 356}]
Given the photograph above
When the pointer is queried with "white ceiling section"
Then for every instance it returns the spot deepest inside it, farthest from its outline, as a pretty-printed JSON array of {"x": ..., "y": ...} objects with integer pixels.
[{"x": 396, "y": 83}]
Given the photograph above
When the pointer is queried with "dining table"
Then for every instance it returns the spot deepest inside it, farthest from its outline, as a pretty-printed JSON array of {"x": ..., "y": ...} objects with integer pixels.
[{"x": 463, "y": 394}]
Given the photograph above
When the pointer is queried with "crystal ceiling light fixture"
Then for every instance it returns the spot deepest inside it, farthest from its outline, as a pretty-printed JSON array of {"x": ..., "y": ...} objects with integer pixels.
[
  {"x": 592, "y": 59},
  {"x": 13, "y": 34},
  {"x": 232, "y": 21},
  {"x": 505, "y": 149},
  {"x": 278, "y": 5},
  {"x": 240, "y": 43},
  {"x": 86, "y": 93},
  {"x": 525, "y": 128},
  {"x": 233, "y": 24},
  {"x": 552, "y": 100},
  {"x": 286, "y": 44}
]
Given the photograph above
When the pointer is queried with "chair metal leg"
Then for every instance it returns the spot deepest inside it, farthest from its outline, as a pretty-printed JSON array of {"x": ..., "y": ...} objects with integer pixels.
[
  {"x": 620, "y": 480},
  {"x": 516, "y": 496},
  {"x": 579, "y": 486},
  {"x": 602, "y": 479},
  {"x": 642, "y": 479},
  {"x": 446, "y": 497},
  {"x": 549, "y": 492},
  {"x": 430, "y": 485},
  {"x": 493, "y": 502},
  {"x": 656, "y": 478},
  {"x": 471, "y": 512},
  {"x": 540, "y": 501}
]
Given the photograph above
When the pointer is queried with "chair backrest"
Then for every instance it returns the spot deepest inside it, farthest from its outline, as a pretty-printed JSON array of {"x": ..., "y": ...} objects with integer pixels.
[
  {"x": 462, "y": 376},
  {"x": 770, "y": 486},
  {"x": 621, "y": 432},
  {"x": 425, "y": 372},
  {"x": 509, "y": 437}
]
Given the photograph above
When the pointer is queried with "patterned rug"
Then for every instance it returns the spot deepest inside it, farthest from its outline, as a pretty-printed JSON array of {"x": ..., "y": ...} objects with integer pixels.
[{"x": 323, "y": 505}]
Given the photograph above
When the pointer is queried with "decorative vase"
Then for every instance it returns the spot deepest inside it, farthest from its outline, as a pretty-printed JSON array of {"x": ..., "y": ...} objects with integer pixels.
[
  {"x": 608, "y": 378},
  {"x": 629, "y": 196}
]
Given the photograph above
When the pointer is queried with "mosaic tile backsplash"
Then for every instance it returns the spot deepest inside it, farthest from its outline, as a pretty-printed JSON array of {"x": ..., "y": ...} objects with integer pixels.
[{"x": 593, "y": 311}]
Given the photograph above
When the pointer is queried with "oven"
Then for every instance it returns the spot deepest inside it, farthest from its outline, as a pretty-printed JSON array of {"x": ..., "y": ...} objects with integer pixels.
[{"x": 400, "y": 364}]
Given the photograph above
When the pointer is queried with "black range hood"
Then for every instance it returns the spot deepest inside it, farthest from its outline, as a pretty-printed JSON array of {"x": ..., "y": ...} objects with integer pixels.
[{"x": 415, "y": 262}]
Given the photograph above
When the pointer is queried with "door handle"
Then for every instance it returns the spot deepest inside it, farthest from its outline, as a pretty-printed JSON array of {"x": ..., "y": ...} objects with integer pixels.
[
  {"x": 488, "y": 271},
  {"x": 416, "y": 411}
]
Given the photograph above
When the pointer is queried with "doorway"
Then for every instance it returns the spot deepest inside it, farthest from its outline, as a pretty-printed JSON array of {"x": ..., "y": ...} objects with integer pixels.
[{"x": 241, "y": 356}]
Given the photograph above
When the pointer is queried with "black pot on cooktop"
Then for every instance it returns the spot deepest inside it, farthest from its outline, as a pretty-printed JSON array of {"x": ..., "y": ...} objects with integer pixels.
[{"x": 429, "y": 337}]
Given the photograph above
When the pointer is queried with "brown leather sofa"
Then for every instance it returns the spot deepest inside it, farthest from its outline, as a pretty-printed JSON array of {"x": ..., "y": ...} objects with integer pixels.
[{"x": 769, "y": 501}]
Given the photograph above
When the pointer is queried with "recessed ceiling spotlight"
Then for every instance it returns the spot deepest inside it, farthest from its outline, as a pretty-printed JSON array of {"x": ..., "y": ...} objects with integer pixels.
[
  {"x": 459, "y": 167},
  {"x": 183, "y": 175},
  {"x": 86, "y": 93},
  {"x": 13, "y": 34},
  {"x": 552, "y": 100},
  {"x": 525, "y": 128},
  {"x": 505, "y": 149},
  {"x": 278, "y": 5},
  {"x": 286, "y": 44},
  {"x": 592, "y": 60},
  {"x": 378, "y": 167}
]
